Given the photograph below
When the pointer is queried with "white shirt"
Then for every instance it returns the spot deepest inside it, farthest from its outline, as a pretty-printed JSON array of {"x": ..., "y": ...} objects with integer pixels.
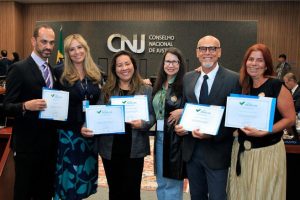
[
  {"x": 40, "y": 62},
  {"x": 211, "y": 77},
  {"x": 294, "y": 88}
]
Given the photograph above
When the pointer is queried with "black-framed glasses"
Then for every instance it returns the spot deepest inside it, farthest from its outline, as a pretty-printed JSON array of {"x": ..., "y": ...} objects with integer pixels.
[
  {"x": 173, "y": 62},
  {"x": 211, "y": 49}
]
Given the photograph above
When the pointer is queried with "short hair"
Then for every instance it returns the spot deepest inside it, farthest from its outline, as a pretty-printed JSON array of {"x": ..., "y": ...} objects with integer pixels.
[
  {"x": 4, "y": 53},
  {"x": 291, "y": 76},
  {"x": 282, "y": 56},
  {"x": 38, "y": 27}
]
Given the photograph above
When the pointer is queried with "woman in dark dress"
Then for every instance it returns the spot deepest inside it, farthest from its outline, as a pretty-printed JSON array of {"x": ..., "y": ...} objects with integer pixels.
[
  {"x": 167, "y": 104},
  {"x": 123, "y": 154},
  {"x": 77, "y": 163}
]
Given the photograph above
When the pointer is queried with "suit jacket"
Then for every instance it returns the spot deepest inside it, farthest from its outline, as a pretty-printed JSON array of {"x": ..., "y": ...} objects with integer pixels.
[
  {"x": 4, "y": 64},
  {"x": 296, "y": 97},
  {"x": 216, "y": 150},
  {"x": 281, "y": 71},
  {"x": 29, "y": 133}
]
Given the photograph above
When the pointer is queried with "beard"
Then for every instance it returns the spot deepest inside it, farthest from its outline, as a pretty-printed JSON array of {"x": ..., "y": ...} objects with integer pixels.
[
  {"x": 44, "y": 53},
  {"x": 207, "y": 64}
]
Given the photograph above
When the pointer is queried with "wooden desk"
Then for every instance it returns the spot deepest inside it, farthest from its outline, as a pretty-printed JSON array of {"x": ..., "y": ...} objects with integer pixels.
[
  {"x": 7, "y": 168},
  {"x": 293, "y": 175},
  {"x": 292, "y": 148},
  {"x": 2, "y": 90}
]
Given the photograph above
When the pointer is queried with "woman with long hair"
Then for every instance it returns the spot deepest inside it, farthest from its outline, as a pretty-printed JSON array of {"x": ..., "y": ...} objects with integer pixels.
[{"x": 77, "y": 163}]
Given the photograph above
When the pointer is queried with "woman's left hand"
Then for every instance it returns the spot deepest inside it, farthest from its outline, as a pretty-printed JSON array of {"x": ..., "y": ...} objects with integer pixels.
[
  {"x": 175, "y": 116},
  {"x": 135, "y": 124},
  {"x": 86, "y": 132},
  {"x": 254, "y": 132}
]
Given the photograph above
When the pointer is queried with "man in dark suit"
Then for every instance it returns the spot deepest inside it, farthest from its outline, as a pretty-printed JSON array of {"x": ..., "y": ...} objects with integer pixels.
[
  {"x": 4, "y": 63},
  {"x": 291, "y": 83},
  {"x": 283, "y": 67},
  {"x": 207, "y": 156},
  {"x": 33, "y": 139}
]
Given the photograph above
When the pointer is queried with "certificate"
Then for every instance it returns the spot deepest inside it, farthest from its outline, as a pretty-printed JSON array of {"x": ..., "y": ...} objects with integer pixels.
[
  {"x": 136, "y": 107},
  {"x": 253, "y": 111},
  {"x": 57, "y": 104},
  {"x": 105, "y": 119},
  {"x": 206, "y": 118}
]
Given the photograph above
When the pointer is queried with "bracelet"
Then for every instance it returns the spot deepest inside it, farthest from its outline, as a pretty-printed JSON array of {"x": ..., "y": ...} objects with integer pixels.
[{"x": 24, "y": 107}]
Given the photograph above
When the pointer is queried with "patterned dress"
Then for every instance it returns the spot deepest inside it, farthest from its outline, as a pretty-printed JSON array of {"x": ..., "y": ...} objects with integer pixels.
[{"x": 77, "y": 163}]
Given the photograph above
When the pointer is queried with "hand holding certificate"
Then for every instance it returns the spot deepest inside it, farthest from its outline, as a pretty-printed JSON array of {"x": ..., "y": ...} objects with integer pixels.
[
  {"x": 204, "y": 117},
  {"x": 57, "y": 105},
  {"x": 136, "y": 107},
  {"x": 254, "y": 111},
  {"x": 105, "y": 119}
]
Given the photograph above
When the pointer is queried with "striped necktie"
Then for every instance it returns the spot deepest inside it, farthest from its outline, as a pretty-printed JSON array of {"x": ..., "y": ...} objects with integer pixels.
[{"x": 47, "y": 75}]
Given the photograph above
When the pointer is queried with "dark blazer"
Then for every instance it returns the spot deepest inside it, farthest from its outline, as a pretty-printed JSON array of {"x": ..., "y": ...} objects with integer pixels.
[
  {"x": 4, "y": 64},
  {"x": 29, "y": 134},
  {"x": 140, "y": 137},
  {"x": 296, "y": 97},
  {"x": 217, "y": 150}
]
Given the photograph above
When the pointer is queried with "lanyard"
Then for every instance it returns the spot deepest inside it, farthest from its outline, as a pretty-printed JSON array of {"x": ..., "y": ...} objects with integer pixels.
[{"x": 161, "y": 104}]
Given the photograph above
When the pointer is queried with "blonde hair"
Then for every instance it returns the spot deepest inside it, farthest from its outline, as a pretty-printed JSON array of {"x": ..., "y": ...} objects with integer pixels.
[{"x": 90, "y": 69}]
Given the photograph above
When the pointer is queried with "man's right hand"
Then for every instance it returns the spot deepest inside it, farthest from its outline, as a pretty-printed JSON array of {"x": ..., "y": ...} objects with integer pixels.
[{"x": 35, "y": 105}]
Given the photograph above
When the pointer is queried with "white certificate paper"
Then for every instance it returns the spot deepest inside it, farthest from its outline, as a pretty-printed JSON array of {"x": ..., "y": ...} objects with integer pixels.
[
  {"x": 136, "y": 107},
  {"x": 204, "y": 117},
  {"x": 57, "y": 104},
  {"x": 254, "y": 111},
  {"x": 105, "y": 119}
]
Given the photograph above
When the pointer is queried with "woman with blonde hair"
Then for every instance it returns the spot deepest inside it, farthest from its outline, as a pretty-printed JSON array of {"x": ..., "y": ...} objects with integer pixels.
[{"x": 77, "y": 163}]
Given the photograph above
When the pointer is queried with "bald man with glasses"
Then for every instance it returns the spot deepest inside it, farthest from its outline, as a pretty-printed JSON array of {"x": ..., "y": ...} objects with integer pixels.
[{"x": 207, "y": 156}]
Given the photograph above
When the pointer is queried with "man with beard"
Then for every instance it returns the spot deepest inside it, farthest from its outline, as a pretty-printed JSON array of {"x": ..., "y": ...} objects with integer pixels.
[
  {"x": 207, "y": 156},
  {"x": 33, "y": 139}
]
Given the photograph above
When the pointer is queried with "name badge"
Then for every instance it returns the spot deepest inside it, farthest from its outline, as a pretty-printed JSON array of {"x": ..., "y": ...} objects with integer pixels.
[
  {"x": 160, "y": 125},
  {"x": 85, "y": 105}
]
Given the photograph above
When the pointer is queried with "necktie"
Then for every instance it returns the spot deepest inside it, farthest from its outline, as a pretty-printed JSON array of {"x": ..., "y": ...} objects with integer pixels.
[
  {"x": 204, "y": 91},
  {"x": 46, "y": 73}
]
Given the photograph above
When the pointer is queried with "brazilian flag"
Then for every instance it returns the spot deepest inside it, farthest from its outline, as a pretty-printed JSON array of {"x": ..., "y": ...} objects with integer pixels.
[{"x": 60, "y": 48}]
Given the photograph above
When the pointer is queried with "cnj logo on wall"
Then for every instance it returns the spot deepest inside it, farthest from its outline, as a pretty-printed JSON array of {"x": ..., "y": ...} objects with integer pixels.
[
  {"x": 157, "y": 43},
  {"x": 133, "y": 46}
]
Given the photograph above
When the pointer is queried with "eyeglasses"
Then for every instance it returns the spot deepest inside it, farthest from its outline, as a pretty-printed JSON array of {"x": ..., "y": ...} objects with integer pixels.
[
  {"x": 210, "y": 49},
  {"x": 173, "y": 62}
]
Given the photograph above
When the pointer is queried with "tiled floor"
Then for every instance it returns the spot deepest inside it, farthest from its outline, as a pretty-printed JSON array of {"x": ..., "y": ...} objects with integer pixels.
[{"x": 148, "y": 178}]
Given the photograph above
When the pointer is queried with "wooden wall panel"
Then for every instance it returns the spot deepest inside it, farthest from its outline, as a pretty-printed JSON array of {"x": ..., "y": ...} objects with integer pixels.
[
  {"x": 11, "y": 34},
  {"x": 278, "y": 22}
]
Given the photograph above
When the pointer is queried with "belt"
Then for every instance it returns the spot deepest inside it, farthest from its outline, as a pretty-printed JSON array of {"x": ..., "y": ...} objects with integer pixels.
[{"x": 247, "y": 143}]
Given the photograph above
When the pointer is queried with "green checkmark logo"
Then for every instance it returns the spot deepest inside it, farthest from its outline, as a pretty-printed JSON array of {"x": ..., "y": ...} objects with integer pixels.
[
  {"x": 198, "y": 110},
  {"x": 242, "y": 103},
  {"x": 52, "y": 95},
  {"x": 99, "y": 111},
  {"x": 123, "y": 102}
]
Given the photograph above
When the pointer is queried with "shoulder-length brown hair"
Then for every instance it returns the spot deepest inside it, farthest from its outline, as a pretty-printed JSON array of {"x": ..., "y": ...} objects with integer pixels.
[
  {"x": 162, "y": 75},
  {"x": 112, "y": 84},
  {"x": 245, "y": 79}
]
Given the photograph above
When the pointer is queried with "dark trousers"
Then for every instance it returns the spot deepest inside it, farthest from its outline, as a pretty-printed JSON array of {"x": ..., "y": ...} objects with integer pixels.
[
  {"x": 205, "y": 183},
  {"x": 35, "y": 174},
  {"x": 124, "y": 176}
]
